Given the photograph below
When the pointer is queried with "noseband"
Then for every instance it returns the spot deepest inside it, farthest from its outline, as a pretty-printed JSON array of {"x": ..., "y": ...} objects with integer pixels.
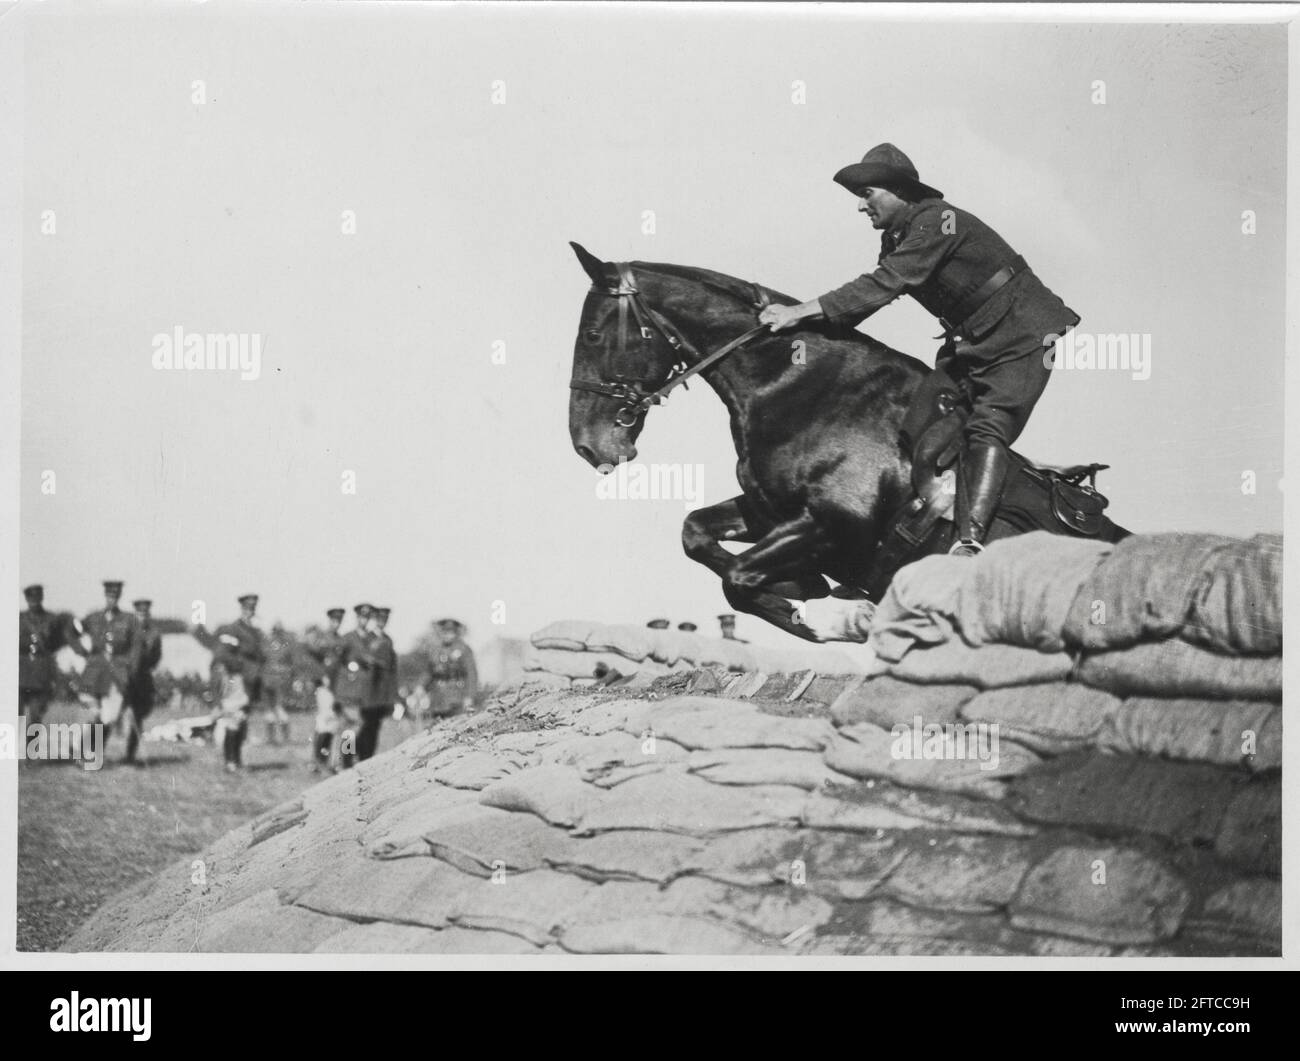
[{"x": 637, "y": 395}]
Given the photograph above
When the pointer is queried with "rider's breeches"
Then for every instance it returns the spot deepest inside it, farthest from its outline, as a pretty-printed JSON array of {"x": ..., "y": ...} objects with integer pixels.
[{"x": 1003, "y": 387}]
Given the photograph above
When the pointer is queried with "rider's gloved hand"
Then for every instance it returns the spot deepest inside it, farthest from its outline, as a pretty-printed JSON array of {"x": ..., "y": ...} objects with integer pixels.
[{"x": 779, "y": 318}]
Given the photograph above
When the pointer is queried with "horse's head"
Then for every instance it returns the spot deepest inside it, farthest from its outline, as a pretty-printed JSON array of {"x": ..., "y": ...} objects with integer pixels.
[{"x": 619, "y": 358}]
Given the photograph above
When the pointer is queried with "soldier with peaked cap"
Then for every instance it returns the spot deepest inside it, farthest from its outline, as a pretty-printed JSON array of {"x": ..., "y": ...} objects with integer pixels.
[
  {"x": 326, "y": 647},
  {"x": 687, "y": 628},
  {"x": 146, "y": 654},
  {"x": 999, "y": 320},
  {"x": 111, "y": 633},
  {"x": 356, "y": 673},
  {"x": 238, "y": 648},
  {"x": 658, "y": 624},
  {"x": 40, "y": 635},
  {"x": 383, "y": 685},
  {"x": 451, "y": 675}
]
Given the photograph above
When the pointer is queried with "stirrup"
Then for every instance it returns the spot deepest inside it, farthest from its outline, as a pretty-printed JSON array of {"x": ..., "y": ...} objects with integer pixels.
[{"x": 967, "y": 544}]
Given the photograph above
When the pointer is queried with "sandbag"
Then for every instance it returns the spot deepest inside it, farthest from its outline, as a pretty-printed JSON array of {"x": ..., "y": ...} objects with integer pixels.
[
  {"x": 1051, "y": 718},
  {"x": 1211, "y": 731},
  {"x": 1020, "y": 590},
  {"x": 568, "y": 634},
  {"x": 918, "y": 607},
  {"x": 988, "y": 667},
  {"x": 1175, "y": 668},
  {"x": 1239, "y": 606},
  {"x": 1144, "y": 589},
  {"x": 885, "y": 700},
  {"x": 581, "y": 665}
]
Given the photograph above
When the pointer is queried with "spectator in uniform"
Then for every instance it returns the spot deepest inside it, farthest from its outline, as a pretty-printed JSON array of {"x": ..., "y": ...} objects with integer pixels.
[
  {"x": 326, "y": 647},
  {"x": 111, "y": 633},
  {"x": 40, "y": 635},
  {"x": 146, "y": 654},
  {"x": 728, "y": 624},
  {"x": 238, "y": 648},
  {"x": 354, "y": 681},
  {"x": 451, "y": 676},
  {"x": 383, "y": 684}
]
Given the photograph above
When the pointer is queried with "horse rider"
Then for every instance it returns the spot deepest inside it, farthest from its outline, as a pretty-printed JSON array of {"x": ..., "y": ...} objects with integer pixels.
[
  {"x": 383, "y": 685},
  {"x": 451, "y": 675},
  {"x": 146, "y": 654},
  {"x": 356, "y": 663},
  {"x": 239, "y": 648},
  {"x": 40, "y": 635},
  {"x": 111, "y": 633},
  {"x": 998, "y": 318},
  {"x": 326, "y": 647}
]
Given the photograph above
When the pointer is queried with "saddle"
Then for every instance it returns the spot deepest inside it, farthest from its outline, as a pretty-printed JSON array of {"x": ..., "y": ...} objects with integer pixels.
[{"x": 1034, "y": 497}]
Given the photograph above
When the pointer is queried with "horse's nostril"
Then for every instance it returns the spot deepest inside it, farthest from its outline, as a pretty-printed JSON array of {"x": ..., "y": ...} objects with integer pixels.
[{"x": 586, "y": 454}]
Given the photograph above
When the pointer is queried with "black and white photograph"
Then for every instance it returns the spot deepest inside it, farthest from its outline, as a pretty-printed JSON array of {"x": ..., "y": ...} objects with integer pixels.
[{"x": 638, "y": 485}]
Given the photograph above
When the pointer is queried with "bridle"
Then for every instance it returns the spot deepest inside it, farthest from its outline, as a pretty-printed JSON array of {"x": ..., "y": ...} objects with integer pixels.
[{"x": 638, "y": 395}]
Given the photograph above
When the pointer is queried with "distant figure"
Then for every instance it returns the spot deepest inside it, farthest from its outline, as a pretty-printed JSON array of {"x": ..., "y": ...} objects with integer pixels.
[
  {"x": 276, "y": 684},
  {"x": 239, "y": 649},
  {"x": 111, "y": 633},
  {"x": 687, "y": 628},
  {"x": 354, "y": 681},
  {"x": 141, "y": 693},
  {"x": 383, "y": 685},
  {"x": 658, "y": 624},
  {"x": 40, "y": 635},
  {"x": 451, "y": 676},
  {"x": 326, "y": 647},
  {"x": 728, "y": 624}
]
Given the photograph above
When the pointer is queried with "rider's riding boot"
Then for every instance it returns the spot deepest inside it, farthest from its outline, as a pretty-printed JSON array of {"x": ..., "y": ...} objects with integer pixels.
[{"x": 984, "y": 468}]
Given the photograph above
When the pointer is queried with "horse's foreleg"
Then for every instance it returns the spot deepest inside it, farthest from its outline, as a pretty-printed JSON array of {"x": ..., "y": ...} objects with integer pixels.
[
  {"x": 786, "y": 551},
  {"x": 705, "y": 528}
]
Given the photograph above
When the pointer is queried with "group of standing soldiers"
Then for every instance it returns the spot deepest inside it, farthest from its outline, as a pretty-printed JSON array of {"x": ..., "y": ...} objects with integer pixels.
[
  {"x": 117, "y": 683},
  {"x": 357, "y": 690}
]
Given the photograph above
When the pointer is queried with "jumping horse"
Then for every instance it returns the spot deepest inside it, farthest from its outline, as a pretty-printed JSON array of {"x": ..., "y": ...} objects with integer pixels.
[{"x": 846, "y": 449}]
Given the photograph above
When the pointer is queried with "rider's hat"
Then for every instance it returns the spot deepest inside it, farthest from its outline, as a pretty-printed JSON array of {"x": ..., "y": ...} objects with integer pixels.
[{"x": 884, "y": 166}]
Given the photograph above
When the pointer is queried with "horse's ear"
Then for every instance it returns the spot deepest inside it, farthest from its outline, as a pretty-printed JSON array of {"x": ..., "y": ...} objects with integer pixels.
[{"x": 591, "y": 265}]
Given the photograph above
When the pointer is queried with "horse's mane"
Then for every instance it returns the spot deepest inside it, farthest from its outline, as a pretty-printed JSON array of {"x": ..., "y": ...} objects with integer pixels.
[{"x": 743, "y": 292}]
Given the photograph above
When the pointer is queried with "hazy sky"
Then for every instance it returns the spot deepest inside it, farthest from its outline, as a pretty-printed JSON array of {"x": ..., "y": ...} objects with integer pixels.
[{"x": 226, "y": 216}]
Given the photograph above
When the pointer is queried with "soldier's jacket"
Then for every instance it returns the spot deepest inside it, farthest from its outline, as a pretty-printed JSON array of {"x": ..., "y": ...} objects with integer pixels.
[
  {"x": 112, "y": 637},
  {"x": 450, "y": 676},
  {"x": 40, "y": 635},
  {"x": 147, "y": 654},
  {"x": 356, "y": 670},
  {"x": 239, "y": 647},
  {"x": 327, "y": 649},
  {"x": 941, "y": 256},
  {"x": 383, "y": 687}
]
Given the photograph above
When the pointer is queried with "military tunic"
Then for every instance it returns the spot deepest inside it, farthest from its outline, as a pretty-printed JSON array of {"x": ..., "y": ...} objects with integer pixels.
[
  {"x": 239, "y": 648},
  {"x": 942, "y": 256},
  {"x": 140, "y": 692},
  {"x": 108, "y": 664},
  {"x": 40, "y": 635},
  {"x": 451, "y": 677},
  {"x": 355, "y": 674}
]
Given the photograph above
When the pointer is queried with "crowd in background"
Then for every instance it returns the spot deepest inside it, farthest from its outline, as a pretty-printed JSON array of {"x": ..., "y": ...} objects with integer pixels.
[{"x": 351, "y": 681}]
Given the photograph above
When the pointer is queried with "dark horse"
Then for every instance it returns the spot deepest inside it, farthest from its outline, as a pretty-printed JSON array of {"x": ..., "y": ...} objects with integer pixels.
[{"x": 817, "y": 417}]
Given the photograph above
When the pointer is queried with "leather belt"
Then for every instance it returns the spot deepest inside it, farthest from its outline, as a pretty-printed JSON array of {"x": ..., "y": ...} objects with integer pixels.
[{"x": 975, "y": 301}]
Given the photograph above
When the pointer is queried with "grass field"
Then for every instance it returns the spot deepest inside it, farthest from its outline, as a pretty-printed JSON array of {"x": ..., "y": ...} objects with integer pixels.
[{"x": 84, "y": 835}]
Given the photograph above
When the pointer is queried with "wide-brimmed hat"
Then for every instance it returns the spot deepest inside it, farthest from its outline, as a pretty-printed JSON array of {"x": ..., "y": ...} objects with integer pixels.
[{"x": 884, "y": 166}]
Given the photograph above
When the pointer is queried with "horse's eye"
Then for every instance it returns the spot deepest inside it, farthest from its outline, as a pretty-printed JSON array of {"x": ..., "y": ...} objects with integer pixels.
[{"x": 593, "y": 337}]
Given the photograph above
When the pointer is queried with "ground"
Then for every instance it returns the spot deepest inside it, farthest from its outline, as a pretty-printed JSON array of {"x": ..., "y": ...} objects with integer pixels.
[{"x": 86, "y": 835}]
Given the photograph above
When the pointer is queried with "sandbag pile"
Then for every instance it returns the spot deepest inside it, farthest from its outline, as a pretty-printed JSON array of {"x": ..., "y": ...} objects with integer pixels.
[
  {"x": 1164, "y": 644},
  {"x": 574, "y": 652},
  {"x": 1033, "y": 762}
]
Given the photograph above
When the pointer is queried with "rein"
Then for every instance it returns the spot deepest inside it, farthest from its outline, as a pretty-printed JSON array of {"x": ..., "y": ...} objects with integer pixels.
[{"x": 638, "y": 395}]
